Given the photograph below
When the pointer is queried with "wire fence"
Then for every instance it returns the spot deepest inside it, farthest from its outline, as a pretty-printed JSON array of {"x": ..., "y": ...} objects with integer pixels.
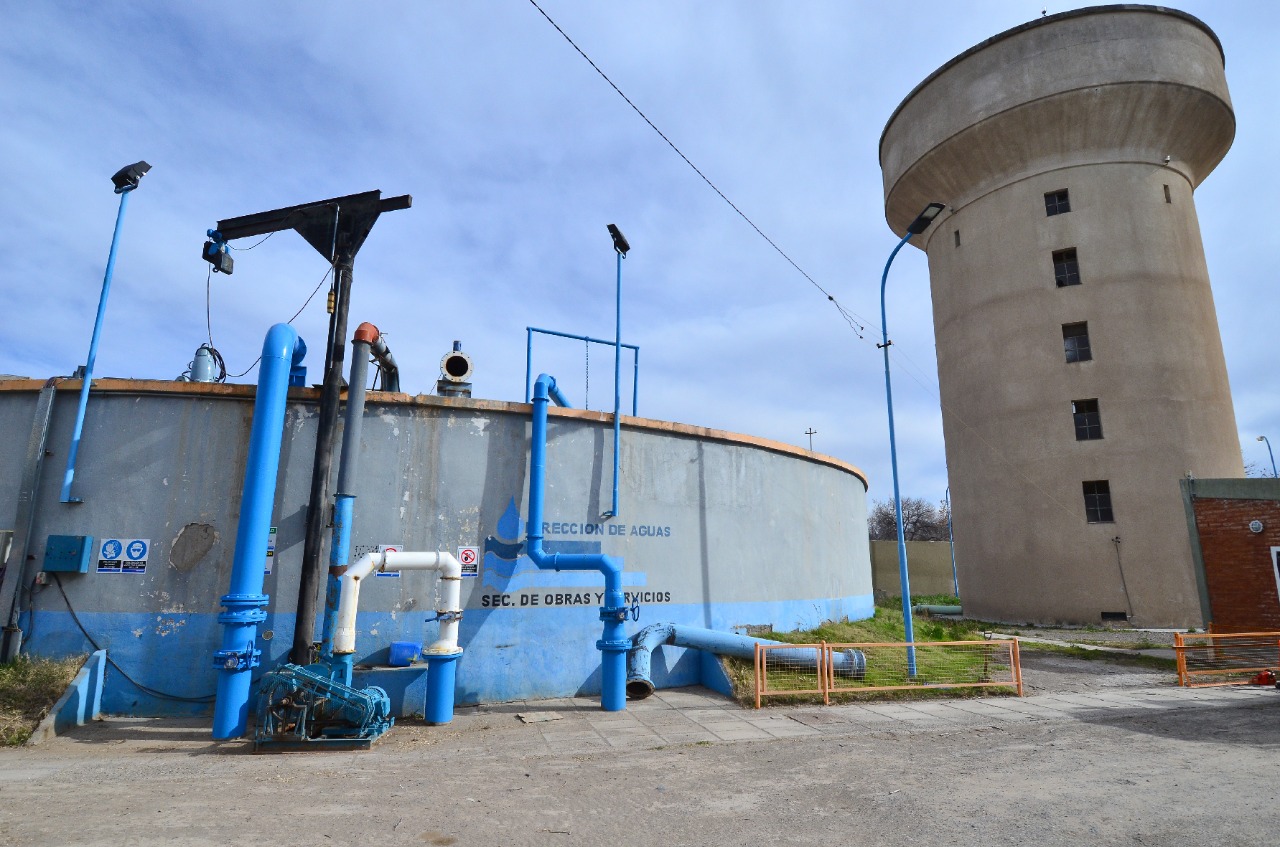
[
  {"x": 1206, "y": 659},
  {"x": 825, "y": 669}
]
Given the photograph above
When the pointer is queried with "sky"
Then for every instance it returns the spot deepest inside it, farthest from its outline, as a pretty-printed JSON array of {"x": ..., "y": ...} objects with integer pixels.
[{"x": 517, "y": 155}]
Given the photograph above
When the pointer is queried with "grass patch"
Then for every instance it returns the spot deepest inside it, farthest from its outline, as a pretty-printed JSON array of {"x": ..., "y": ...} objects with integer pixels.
[
  {"x": 885, "y": 626},
  {"x": 28, "y": 689},
  {"x": 1153, "y": 662}
]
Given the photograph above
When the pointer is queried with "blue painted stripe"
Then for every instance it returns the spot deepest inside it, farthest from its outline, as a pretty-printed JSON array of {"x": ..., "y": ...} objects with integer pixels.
[{"x": 510, "y": 653}]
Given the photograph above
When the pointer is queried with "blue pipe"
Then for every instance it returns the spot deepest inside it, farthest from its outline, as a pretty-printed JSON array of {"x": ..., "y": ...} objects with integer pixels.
[
  {"x": 617, "y": 388},
  {"x": 850, "y": 663},
  {"x": 76, "y": 432},
  {"x": 893, "y": 455},
  {"x": 244, "y": 600},
  {"x": 613, "y": 644},
  {"x": 344, "y": 501}
]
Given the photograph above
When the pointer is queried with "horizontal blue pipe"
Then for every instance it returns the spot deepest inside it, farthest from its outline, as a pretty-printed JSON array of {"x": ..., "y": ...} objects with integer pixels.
[{"x": 640, "y": 685}]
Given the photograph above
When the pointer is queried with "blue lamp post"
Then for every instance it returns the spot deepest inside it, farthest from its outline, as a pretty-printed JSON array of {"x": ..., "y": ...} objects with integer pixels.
[
  {"x": 125, "y": 180},
  {"x": 1272, "y": 455},
  {"x": 621, "y": 247},
  {"x": 919, "y": 225}
]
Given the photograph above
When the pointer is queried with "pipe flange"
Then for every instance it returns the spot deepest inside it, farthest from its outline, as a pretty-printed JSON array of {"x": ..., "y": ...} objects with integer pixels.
[
  {"x": 242, "y": 616},
  {"x": 621, "y": 645}
]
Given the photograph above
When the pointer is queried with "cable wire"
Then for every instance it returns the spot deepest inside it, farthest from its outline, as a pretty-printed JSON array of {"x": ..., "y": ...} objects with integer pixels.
[
  {"x": 315, "y": 291},
  {"x": 856, "y": 322},
  {"x": 208, "y": 698}
]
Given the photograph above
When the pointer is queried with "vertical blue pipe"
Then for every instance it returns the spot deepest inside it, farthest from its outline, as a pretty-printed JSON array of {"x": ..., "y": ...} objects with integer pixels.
[
  {"x": 344, "y": 500},
  {"x": 613, "y": 644},
  {"x": 893, "y": 455},
  {"x": 70, "y": 474},
  {"x": 617, "y": 388},
  {"x": 244, "y": 600}
]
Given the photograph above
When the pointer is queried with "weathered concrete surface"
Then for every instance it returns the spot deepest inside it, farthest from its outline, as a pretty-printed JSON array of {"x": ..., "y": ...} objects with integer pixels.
[
  {"x": 1114, "y": 763},
  {"x": 1126, "y": 108},
  {"x": 716, "y": 530}
]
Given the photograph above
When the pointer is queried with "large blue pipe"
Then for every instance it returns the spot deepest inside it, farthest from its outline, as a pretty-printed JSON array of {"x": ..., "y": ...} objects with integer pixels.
[
  {"x": 851, "y": 663},
  {"x": 613, "y": 643},
  {"x": 244, "y": 601}
]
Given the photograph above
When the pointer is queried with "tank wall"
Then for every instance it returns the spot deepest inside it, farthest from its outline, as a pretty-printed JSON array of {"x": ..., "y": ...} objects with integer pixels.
[
  {"x": 714, "y": 531},
  {"x": 1157, "y": 372}
]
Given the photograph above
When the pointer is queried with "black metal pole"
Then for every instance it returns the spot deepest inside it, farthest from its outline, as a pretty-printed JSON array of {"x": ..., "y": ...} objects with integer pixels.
[{"x": 309, "y": 580}]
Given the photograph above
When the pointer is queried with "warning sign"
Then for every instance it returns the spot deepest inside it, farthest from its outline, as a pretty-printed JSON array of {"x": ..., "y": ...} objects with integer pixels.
[
  {"x": 469, "y": 558},
  {"x": 123, "y": 555},
  {"x": 271, "y": 549},
  {"x": 389, "y": 548}
]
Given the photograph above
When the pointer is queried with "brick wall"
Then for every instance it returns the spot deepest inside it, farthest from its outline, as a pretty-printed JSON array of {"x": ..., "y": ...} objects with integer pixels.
[{"x": 1238, "y": 566}]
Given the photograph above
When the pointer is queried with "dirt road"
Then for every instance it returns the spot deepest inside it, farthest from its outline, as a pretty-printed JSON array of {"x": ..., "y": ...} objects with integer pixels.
[{"x": 1126, "y": 762}]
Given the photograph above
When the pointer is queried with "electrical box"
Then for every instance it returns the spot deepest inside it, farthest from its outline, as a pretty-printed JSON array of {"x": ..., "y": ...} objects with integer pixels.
[{"x": 68, "y": 553}]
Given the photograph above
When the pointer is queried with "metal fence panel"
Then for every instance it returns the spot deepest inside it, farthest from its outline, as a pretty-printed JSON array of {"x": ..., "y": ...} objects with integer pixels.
[{"x": 1207, "y": 659}]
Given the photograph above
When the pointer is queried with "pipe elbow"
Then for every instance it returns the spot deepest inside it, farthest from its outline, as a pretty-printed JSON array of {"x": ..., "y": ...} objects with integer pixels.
[
  {"x": 368, "y": 333},
  {"x": 280, "y": 343}
]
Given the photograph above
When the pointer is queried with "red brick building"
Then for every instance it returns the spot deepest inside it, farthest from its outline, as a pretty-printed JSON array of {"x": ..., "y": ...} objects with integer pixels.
[{"x": 1235, "y": 540}]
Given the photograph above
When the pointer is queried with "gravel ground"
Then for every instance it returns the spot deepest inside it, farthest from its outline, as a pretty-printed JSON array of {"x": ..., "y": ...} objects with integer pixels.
[{"x": 1171, "y": 771}]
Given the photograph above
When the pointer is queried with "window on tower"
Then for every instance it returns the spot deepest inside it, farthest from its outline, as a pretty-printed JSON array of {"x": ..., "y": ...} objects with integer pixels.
[
  {"x": 1057, "y": 203},
  {"x": 1088, "y": 419},
  {"x": 1075, "y": 342},
  {"x": 1097, "y": 501},
  {"x": 1066, "y": 268}
]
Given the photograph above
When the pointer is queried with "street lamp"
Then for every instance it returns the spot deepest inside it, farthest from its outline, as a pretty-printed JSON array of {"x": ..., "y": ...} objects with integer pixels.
[
  {"x": 621, "y": 247},
  {"x": 1272, "y": 455},
  {"x": 919, "y": 225},
  {"x": 125, "y": 180}
]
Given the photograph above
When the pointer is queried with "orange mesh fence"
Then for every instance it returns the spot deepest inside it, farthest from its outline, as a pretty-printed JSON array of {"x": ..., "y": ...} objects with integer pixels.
[
  {"x": 1206, "y": 659},
  {"x": 845, "y": 668},
  {"x": 792, "y": 669}
]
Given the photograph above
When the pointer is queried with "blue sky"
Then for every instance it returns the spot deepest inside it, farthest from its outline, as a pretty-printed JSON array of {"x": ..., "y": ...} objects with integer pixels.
[{"x": 517, "y": 155}]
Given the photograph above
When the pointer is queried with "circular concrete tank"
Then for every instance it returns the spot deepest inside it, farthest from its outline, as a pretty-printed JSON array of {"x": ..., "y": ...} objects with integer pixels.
[
  {"x": 1073, "y": 144},
  {"x": 716, "y": 530}
]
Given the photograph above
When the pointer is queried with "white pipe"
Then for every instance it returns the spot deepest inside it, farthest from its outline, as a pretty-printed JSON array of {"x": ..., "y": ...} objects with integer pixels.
[{"x": 344, "y": 637}]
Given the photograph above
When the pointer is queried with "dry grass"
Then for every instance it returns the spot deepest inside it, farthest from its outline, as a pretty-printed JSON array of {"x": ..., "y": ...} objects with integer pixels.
[{"x": 28, "y": 689}]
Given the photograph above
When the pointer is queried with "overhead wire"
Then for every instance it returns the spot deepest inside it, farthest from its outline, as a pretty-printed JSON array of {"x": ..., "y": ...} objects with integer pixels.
[{"x": 855, "y": 321}]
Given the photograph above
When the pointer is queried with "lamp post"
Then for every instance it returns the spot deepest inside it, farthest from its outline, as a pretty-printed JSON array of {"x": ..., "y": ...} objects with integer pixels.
[
  {"x": 621, "y": 247},
  {"x": 919, "y": 225},
  {"x": 125, "y": 180},
  {"x": 1272, "y": 455}
]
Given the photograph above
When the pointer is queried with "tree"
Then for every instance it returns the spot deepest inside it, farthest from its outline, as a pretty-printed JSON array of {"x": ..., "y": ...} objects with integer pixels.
[{"x": 921, "y": 520}]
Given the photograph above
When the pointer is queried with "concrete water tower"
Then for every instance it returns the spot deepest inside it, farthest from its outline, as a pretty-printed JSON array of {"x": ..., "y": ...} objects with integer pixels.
[{"x": 1079, "y": 359}]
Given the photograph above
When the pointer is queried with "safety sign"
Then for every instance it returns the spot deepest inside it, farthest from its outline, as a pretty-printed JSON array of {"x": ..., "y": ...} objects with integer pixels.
[
  {"x": 469, "y": 558},
  {"x": 271, "y": 549},
  {"x": 123, "y": 555},
  {"x": 389, "y": 548}
]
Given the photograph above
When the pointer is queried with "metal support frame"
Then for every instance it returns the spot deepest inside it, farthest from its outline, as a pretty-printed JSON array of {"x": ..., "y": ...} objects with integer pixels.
[
  {"x": 336, "y": 228},
  {"x": 528, "y": 361}
]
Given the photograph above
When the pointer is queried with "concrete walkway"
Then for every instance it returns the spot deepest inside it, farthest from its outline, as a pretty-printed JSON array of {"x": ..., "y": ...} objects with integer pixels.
[{"x": 699, "y": 716}]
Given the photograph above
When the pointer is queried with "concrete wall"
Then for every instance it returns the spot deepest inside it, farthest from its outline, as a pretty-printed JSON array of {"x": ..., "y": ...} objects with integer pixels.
[
  {"x": 928, "y": 568},
  {"x": 1091, "y": 102},
  {"x": 1239, "y": 559},
  {"x": 716, "y": 530}
]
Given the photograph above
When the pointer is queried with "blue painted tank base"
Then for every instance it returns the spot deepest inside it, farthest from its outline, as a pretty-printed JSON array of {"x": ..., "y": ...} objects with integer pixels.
[{"x": 510, "y": 654}]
